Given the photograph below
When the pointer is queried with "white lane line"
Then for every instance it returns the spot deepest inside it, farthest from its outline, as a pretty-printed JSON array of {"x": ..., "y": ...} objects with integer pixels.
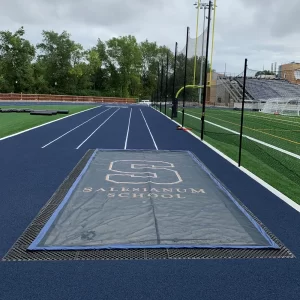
[
  {"x": 274, "y": 191},
  {"x": 149, "y": 131},
  {"x": 74, "y": 129},
  {"x": 97, "y": 129},
  {"x": 125, "y": 147},
  {"x": 18, "y": 133}
]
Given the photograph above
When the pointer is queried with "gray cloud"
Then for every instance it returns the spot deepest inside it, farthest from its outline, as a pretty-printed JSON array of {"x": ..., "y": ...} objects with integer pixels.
[
  {"x": 263, "y": 31},
  {"x": 89, "y": 12},
  {"x": 281, "y": 17}
]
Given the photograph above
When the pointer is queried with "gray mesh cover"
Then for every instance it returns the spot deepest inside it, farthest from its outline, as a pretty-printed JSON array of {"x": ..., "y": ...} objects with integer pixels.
[{"x": 142, "y": 199}]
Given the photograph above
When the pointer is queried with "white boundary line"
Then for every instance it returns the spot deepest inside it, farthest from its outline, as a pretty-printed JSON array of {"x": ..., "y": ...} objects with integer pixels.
[
  {"x": 149, "y": 131},
  {"x": 125, "y": 147},
  {"x": 250, "y": 138},
  {"x": 267, "y": 118},
  {"x": 97, "y": 129},
  {"x": 74, "y": 129},
  {"x": 18, "y": 133},
  {"x": 277, "y": 193}
]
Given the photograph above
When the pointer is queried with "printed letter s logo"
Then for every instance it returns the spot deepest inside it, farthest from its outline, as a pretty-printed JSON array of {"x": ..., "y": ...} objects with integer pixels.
[{"x": 141, "y": 172}]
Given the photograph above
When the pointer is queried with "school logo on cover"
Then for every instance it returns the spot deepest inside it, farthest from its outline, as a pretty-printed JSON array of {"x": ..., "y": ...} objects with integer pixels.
[{"x": 142, "y": 172}]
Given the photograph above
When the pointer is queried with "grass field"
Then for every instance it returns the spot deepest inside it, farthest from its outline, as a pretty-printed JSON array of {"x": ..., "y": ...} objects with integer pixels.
[
  {"x": 15, "y": 122},
  {"x": 280, "y": 170}
]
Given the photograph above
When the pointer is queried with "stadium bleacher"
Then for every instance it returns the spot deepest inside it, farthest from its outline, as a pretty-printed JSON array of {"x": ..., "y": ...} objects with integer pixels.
[{"x": 264, "y": 89}]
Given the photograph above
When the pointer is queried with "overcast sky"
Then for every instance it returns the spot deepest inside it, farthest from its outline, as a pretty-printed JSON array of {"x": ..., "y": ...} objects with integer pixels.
[{"x": 264, "y": 31}]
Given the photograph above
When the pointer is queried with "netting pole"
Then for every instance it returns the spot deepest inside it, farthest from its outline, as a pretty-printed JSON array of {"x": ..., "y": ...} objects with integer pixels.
[
  {"x": 152, "y": 98},
  {"x": 167, "y": 78},
  {"x": 185, "y": 71},
  {"x": 157, "y": 90},
  {"x": 212, "y": 42},
  {"x": 161, "y": 84},
  {"x": 242, "y": 114},
  {"x": 174, "y": 106},
  {"x": 202, "y": 51},
  {"x": 205, "y": 72},
  {"x": 196, "y": 45}
]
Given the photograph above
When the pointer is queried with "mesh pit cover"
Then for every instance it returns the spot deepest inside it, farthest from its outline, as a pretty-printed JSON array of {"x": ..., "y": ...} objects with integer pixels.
[{"x": 149, "y": 199}]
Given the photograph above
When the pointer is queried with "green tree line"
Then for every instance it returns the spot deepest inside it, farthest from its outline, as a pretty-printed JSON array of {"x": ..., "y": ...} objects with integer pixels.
[
  {"x": 265, "y": 72},
  {"x": 119, "y": 67}
]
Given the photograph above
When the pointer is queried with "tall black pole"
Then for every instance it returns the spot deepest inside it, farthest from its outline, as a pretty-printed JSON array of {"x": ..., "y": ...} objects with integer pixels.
[
  {"x": 174, "y": 106},
  {"x": 161, "y": 84},
  {"x": 185, "y": 70},
  {"x": 242, "y": 115},
  {"x": 157, "y": 91},
  {"x": 153, "y": 99},
  {"x": 167, "y": 79},
  {"x": 205, "y": 72}
]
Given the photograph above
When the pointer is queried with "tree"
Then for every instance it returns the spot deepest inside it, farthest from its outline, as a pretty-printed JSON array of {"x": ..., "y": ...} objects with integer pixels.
[
  {"x": 94, "y": 64},
  {"x": 61, "y": 57},
  {"x": 266, "y": 72},
  {"x": 118, "y": 67},
  {"x": 16, "y": 56},
  {"x": 125, "y": 62},
  {"x": 40, "y": 83},
  {"x": 150, "y": 58}
]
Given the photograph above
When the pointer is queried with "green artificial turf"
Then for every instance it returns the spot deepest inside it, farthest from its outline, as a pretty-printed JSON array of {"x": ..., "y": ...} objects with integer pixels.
[
  {"x": 276, "y": 168},
  {"x": 11, "y": 123}
]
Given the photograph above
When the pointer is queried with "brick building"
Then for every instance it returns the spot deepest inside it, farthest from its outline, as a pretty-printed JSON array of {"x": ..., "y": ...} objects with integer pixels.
[{"x": 290, "y": 72}]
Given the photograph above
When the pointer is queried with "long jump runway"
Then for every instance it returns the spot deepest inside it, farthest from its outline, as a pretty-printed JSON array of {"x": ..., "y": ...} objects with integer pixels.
[{"x": 133, "y": 219}]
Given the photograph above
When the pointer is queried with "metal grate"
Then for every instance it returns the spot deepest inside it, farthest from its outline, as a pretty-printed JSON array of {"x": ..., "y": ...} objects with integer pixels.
[{"x": 19, "y": 251}]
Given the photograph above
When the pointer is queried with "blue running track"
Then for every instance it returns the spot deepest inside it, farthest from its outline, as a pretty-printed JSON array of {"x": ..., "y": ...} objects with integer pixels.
[{"x": 30, "y": 174}]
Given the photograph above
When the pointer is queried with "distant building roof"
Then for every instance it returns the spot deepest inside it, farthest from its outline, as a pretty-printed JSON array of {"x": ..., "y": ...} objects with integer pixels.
[{"x": 292, "y": 63}]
